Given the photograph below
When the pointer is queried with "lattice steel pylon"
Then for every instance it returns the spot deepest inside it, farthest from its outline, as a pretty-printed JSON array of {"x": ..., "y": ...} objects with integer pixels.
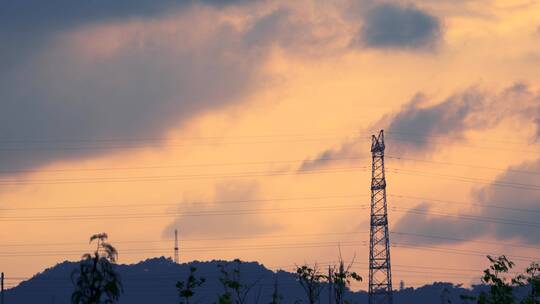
[{"x": 380, "y": 275}]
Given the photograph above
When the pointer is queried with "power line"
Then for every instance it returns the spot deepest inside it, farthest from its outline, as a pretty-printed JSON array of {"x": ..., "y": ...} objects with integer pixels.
[
  {"x": 459, "y": 251},
  {"x": 463, "y": 165},
  {"x": 224, "y": 164},
  {"x": 137, "y": 142},
  {"x": 217, "y": 202},
  {"x": 160, "y": 139},
  {"x": 455, "y": 239},
  {"x": 158, "y": 277},
  {"x": 483, "y": 205},
  {"x": 138, "y": 251},
  {"x": 423, "y": 135},
  {"x": 187, "y": 239},
  {"x": 296, "y": 245},
  {"x": 505, "y": 184},
  {"x": 470, "y": 217},
  {"x": 232, "y": 212},
  {"x": 165, "y": 144},
  {"x": 169, "y": 214},
  {"x": 155, "y": 178},
  {"x": 279, "y": 236},
  {"x": 275, "y": 199},
  {"x": 463, "y": 145}
]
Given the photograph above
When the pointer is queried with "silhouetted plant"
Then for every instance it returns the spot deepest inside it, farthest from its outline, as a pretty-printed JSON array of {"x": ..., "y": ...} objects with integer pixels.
[
  {"x": 186, "y": 289},
  {"x": 311, "y": 280},
  {"x": 234, "y": 290},
  {"x": 500, "y": 287},
  {"x": 532, "y": 280},
  {"x": 445, "y": 296},
  {"x": 96, "y": 281},
  {"x": 276, "y": 296},
  {"x": 341, "y": 278}
]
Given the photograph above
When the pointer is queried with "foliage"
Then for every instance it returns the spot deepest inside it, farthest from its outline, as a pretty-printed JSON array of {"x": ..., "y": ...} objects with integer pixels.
[
  {"x": 310, "y": 279},
  {"x": 445, "y": 296},
  {"x": 501, "y": 288},
  {"x": 501, "y": 291},
  {"x": 96, "y": 281},
  {"x": 186, "y": 289},
  {"x": 532, "y": 280},
  {"x": 340, "y": 278},
  {"x": 234, "y": 291}
]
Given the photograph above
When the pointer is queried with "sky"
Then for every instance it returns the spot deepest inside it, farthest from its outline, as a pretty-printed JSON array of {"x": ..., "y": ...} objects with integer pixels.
[{"x": 246, "y": 125}]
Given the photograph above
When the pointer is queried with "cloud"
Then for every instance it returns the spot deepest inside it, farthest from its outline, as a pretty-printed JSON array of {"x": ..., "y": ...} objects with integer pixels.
[
  {"x": 417, "y": 222},
  {"x": 104, "y": 74},
  {"x": 251, "y": 223},
  {"x": 393, "y": 26},
  {"x": 26, "y": 25},
  {"x": 419, "y": 120},
  {"x": 450, "y": 117},
  {"x": 147, "y": 80},
  {"x": 515, "y": 220},
  {"x": 412, "y": 128},
  {"x": 514, "y": 197},
  {"x": 271, "y": 26},
  {"x": 306, "y": 35},
  {"x": 347, "y": 151}
]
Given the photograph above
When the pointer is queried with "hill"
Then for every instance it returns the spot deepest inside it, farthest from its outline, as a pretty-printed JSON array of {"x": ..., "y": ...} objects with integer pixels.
[{"x": 153, "y": 281}]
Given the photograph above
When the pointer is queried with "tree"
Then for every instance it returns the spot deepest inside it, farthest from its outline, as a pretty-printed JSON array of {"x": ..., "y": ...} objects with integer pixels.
[
  {"x": 310, "y": 279},
  {"x": 532, "y": 280},
  {"x": 341, "y": 278},
  {"x": 500, "y": 287},
  {"x": 234, "y": 291},
  {"x": 186, "y": 289},
  {"x": 445, "y": 296},
  {"x": 96, "y": 280},
  {"x": 501, "y": 290}
]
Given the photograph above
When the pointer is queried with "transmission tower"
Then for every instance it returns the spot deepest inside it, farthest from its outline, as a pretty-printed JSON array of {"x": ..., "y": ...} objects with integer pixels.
[
  {"x": 2, "y": 289},
  {"x": 380, "y": 275},
  {"x": 176, "y": 259}
]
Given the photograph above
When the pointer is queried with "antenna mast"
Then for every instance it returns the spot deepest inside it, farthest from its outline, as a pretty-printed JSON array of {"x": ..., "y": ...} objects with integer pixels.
[
  {"x": 176, "y": 259},
  {"x": 380, "y": 275}
]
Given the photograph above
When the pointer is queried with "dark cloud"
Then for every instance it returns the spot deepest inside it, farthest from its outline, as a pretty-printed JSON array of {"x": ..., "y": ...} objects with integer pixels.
[
  {"x": 299, "y": 34},
  {"x": 411, "y": 129},
  {"x": 471, "y": 109},
  {"x": 525, "y": 202},
  {"x": 224, "y": 225},
  {"x": 66, "y": 13},
  {"x": 26, "y": 25},
  {"x": 450, "y": 117},
  {"x": 346, "y": 152},
  {"x": 417, "y": 225},
  {"x": 508, "y": 212},
  {"x": 155, "y": 79},
  {"x": 396, "y": 26},
  {"x": 415, "y": 127},
  {"x": 270, "y": 28}
]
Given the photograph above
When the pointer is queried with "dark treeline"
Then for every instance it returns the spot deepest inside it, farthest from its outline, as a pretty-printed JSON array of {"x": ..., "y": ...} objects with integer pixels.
[{"x": 98, "y": 279}]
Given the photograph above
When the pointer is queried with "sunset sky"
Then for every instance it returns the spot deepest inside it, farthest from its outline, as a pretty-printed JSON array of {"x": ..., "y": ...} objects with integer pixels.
[{"x": 246, "y": 126}]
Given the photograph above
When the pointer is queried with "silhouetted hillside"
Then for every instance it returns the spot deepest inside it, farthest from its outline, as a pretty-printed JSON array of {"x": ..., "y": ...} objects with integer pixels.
[{"x": 153, "y": 281}]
